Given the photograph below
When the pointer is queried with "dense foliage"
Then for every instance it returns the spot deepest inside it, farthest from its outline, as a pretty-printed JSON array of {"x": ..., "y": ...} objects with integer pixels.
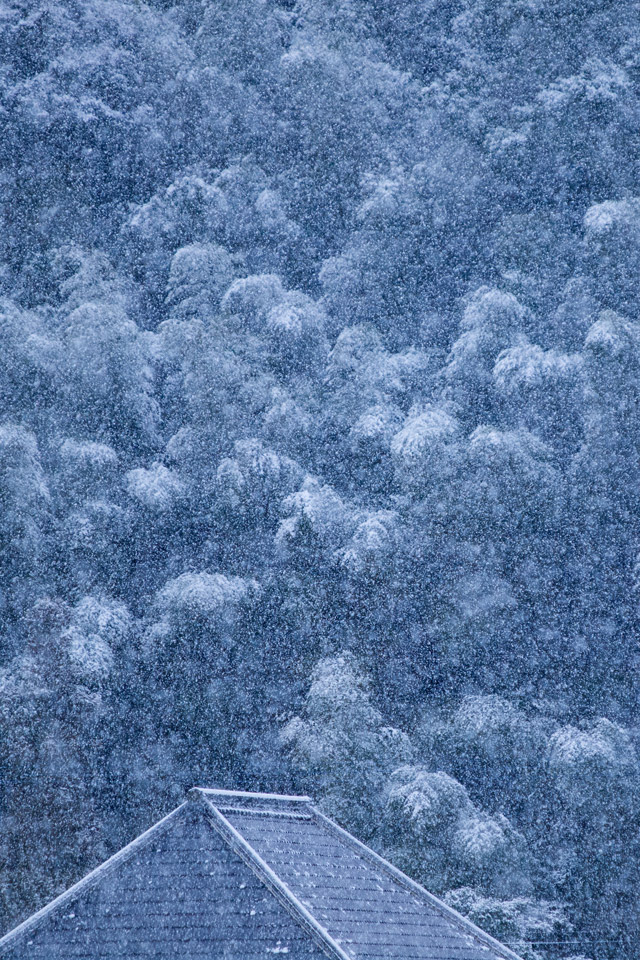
[{"x": 320, "y": 436}]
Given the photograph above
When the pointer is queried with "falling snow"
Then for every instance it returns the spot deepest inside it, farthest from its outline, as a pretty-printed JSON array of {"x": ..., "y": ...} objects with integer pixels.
[{"x": 319, "y": 438}]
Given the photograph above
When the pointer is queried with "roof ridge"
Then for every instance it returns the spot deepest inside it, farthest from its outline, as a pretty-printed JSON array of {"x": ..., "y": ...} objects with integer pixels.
[
  {"x": 270, "y": 879},
  {"x": 303, "y": 814},
  {"x": 91, "y": 878},
  {"x": 416, "y": 888},
  {"x": 251, "y": 795}
]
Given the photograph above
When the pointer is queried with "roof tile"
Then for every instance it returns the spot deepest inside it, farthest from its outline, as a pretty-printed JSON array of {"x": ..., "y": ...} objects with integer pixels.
[{"x": 242, "y": 876}]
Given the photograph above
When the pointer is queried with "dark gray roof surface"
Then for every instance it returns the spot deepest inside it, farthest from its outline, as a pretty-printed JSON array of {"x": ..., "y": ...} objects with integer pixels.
[
  {"x": 182, "y": 894},
  {"x": 369, "y": 909},
  {"x": 237, "y": 876}
]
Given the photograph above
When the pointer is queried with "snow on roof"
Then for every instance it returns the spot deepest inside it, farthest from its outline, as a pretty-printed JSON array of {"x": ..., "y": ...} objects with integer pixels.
[{"x": 248, "y": 875}]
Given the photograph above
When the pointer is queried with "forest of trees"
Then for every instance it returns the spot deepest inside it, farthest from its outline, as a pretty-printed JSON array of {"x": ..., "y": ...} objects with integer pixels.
[{"x": 320, "y": 438}]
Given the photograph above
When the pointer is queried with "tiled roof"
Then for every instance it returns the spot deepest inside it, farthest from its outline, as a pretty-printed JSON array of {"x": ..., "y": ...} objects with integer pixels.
[{"x": 240, "y": 876}]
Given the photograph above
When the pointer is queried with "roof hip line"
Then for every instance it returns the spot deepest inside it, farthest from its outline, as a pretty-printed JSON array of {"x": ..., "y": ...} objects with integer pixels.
[
  {"x": 404, "y": 881},
  {"x": 91, "y": 878},
  {"x": 270, "y": 879}
]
